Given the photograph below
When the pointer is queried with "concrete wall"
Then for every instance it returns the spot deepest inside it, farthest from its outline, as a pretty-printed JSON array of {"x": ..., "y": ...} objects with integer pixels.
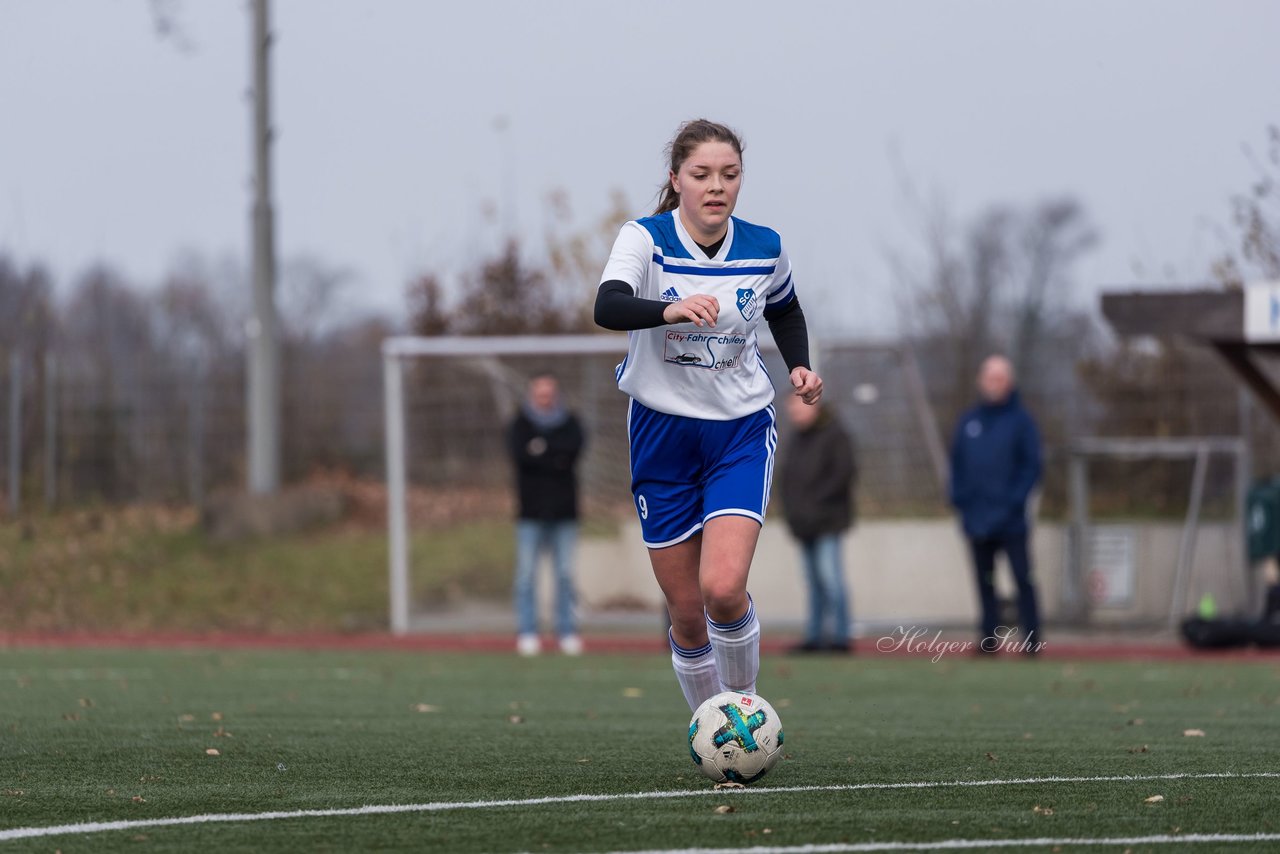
[{"x": 916, "y": 572}]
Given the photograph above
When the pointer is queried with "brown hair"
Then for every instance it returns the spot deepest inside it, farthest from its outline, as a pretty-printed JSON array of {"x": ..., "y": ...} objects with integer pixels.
[{"x": 688, "y": 137}]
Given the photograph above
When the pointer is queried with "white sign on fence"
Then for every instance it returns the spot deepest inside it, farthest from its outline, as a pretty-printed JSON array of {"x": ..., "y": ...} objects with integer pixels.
[{"x": 1110, "y": 570}]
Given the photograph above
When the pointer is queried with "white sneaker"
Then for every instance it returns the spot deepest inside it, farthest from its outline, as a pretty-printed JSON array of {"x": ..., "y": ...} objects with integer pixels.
[
  {"x": 571, "y": 645},
  {"x": 528, "y": 645}
]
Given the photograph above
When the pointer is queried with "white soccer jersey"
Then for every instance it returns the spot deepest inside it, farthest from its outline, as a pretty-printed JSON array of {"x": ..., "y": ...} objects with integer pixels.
[{"x": 700, "y": 372}]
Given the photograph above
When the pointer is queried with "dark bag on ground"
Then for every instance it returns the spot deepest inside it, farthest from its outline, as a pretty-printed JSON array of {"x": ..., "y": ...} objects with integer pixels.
[
  {"x": 1266, "y": 635},
  {"x": 1218, "y": 633}
]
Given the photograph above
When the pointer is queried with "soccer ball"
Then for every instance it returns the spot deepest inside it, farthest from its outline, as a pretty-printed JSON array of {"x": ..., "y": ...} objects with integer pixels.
[{"x": 735, "y": 737}]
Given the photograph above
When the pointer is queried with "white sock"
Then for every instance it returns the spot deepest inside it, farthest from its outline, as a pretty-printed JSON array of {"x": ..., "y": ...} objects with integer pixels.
[
  {"x": 696, "y": 672},
  {"x": 737, "y": 650}
]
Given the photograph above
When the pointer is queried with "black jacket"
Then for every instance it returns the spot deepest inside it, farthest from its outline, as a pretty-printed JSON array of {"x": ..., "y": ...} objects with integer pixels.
[
  {"x": 817, "y": 479},
  {"x": 546, "y": 485}
]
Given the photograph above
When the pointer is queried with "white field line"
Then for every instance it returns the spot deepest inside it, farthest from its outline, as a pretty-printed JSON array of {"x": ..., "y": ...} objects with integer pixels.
[
  {"x": 983, "y": 844},
  {"x": 442, "y": 806}
]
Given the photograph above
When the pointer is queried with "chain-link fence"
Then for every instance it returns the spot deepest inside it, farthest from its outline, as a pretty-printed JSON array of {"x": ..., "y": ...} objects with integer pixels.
[{"x": 77, "y": 429}]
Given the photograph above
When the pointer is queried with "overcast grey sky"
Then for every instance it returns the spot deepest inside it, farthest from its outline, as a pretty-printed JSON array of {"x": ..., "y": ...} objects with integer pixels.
[{"x": 121, "y": 146}]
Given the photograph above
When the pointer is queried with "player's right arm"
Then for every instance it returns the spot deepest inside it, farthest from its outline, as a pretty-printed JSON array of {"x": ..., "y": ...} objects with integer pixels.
[{"x": 617, "y": 304}]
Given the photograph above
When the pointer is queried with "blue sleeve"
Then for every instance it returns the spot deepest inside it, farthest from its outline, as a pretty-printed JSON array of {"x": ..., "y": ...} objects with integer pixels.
[{"x": 1027, "y": 461}]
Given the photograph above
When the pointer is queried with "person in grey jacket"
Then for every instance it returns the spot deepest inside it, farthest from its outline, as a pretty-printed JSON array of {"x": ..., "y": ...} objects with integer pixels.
[{"x": 818, "y": 470}]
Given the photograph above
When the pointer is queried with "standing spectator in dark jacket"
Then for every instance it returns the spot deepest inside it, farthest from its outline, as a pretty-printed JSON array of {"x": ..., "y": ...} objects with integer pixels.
[
  {"x": 545, "y": 440},
  {"x": 818, "y": 471},
  {"x": 995, "y": 463}
]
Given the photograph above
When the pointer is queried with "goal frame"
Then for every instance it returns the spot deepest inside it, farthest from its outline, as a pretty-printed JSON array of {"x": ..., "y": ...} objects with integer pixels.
[
  {"x": 395, "y": 350},
  {"x": 1197, "y": 449}
]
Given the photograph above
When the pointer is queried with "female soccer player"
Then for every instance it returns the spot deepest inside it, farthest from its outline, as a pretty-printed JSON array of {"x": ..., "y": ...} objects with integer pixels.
[{"x": 690, "y": 284}]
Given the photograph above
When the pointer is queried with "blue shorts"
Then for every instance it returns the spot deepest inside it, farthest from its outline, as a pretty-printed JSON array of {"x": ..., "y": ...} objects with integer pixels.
[{"x": 685, "y": 471}]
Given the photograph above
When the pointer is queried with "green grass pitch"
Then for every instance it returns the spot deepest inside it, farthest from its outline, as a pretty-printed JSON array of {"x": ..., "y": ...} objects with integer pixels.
[{"x": 110, "y": 735}]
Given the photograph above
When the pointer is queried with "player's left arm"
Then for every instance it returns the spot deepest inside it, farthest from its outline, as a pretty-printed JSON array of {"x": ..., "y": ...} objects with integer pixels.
[{"x": 791, "y": 333}]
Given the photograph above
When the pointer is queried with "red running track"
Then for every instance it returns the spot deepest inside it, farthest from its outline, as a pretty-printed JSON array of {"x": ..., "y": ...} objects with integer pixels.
[{"x": 607, "y": 643}]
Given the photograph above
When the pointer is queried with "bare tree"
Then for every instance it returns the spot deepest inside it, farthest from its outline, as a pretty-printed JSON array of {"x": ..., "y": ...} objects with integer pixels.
[
  {"x": 999, "y": 284},
  {"x": 577, "y": 255},
  {"x": 508, "y": 296},
  {"x": 192, "y": 326},
  {"x": 428, "y": 314},
  {"x": 1047, "y": 242},
  {"x": 1256, "y": 215},
  {"x": 935, "y": 296},
  {"x": 27, "y": 312},
  {"x": 512, "y": 294},
  {"x": 166, "y": 16},
  {"x": 311, "y": 296}
]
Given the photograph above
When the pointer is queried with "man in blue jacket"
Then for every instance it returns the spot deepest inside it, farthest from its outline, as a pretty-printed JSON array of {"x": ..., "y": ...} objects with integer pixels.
[{"x": 995, "y": 463}]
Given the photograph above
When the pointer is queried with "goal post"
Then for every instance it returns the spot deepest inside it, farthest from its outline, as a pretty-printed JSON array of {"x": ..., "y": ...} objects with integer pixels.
[{"x": 395, "y": 351}]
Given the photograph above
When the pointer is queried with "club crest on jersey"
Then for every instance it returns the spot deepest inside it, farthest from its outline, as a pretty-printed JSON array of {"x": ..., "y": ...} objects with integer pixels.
[{"x": 747, "y": 303}]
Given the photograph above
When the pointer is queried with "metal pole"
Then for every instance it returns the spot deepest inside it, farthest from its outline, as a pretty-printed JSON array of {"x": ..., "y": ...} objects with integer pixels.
[
  {"x": 50, "y": 430},
  {"x": 263, "y": 329},
  {"x": 1243, "y": 459},
  {"x": 1074, "y": 592},
  {"x": 1187, "y": 545},
  {"x": 397, "y": 526},
  {"x": 15, "y": 433}
]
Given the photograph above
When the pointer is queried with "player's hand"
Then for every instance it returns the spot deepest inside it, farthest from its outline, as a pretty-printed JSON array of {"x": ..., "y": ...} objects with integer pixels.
[
  {"x": 807, "y": 384},
  {"x": 701, "y": 309}
]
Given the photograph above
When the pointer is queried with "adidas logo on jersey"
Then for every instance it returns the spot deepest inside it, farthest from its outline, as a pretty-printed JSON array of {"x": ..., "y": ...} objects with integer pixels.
[{"x": 671, "y": 295}]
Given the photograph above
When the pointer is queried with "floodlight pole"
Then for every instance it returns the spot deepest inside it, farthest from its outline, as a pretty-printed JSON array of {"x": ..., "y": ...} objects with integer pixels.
[
  {"x": 1075, "y": 594},
  {"x": 262, "y": 330}
]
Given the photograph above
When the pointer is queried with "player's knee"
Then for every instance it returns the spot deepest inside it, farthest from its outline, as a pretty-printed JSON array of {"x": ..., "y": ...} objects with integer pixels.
[
  {"x": 688, "y": 621},
  {"x": 725, "y": 601}
]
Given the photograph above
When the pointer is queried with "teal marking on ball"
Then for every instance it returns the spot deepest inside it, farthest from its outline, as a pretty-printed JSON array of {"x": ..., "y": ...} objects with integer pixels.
[
  {"x": 693, "y": 730},
  {"x": 740, "y": 729}
]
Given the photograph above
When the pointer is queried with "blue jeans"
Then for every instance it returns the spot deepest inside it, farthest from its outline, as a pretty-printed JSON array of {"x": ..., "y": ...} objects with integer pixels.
[
  {"x": 825, "y": 571},
  {"x": 533, "y": 537}
]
